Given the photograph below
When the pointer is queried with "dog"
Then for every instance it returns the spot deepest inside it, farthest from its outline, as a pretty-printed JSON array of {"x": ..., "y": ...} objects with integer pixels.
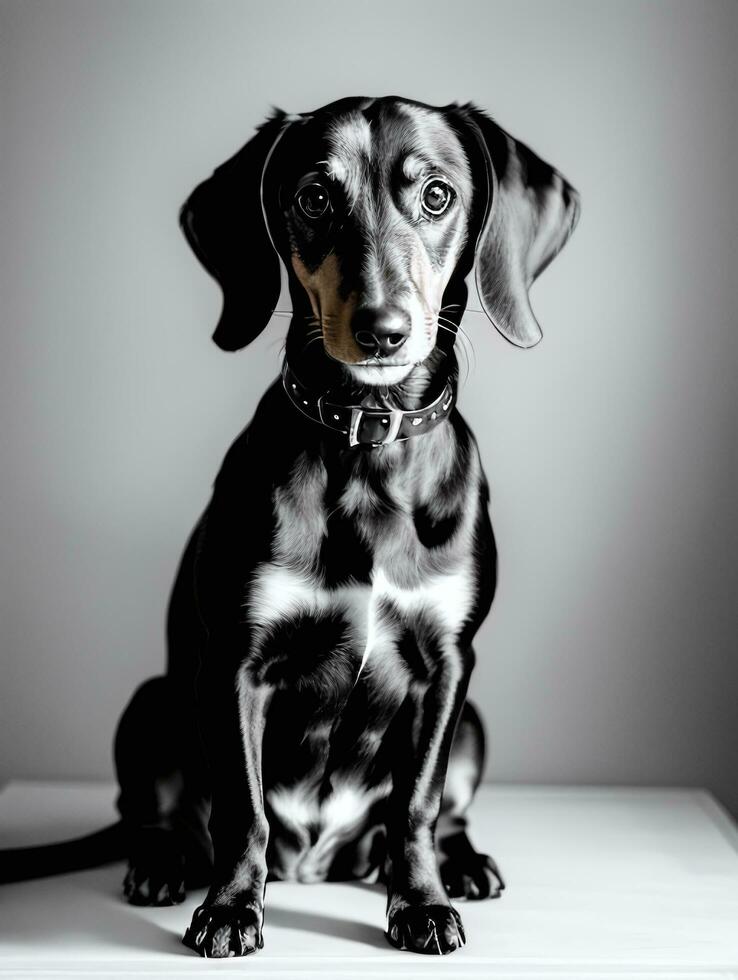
[{"x": 313, "y": 722}]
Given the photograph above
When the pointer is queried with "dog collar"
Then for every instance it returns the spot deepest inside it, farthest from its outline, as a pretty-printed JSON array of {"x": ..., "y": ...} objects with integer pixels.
[{"x": 368, "y": 427}]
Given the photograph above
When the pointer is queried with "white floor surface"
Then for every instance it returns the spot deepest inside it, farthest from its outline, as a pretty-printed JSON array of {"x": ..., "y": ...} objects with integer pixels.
[{"x": 602, "y": 883}]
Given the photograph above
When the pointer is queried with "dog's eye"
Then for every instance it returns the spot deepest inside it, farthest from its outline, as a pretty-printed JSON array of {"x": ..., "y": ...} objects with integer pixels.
[
  {"x": 436, "y": 196},
  {"x": 313, "y": 201}
]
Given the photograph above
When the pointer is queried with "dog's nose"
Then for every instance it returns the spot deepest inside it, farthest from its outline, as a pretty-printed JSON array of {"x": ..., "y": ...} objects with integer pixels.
[{"x": 381, "y": 331}]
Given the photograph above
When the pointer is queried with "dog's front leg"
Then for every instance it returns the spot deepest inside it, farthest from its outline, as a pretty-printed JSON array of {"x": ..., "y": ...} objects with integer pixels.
[
  {"x": 420, "y": 917},
  {"x": 233, "y": 706}
]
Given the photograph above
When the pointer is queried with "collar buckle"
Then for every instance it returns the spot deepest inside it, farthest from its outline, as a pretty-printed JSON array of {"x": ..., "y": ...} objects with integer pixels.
[{"x": 392, "y": 416}]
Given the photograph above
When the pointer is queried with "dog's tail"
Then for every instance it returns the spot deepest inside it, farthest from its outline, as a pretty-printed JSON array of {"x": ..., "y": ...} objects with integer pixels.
[{"x": 101, "y": 847}]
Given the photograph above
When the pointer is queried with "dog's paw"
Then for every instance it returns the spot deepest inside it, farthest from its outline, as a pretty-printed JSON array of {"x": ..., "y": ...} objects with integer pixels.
[
  {"x": 218, "y": 931},
  {"x": 158, "y": 884},
  {"x": 156, "y": 869},
  {"x": 434, "y": 929},
  {"x": 474, "y": 877}
]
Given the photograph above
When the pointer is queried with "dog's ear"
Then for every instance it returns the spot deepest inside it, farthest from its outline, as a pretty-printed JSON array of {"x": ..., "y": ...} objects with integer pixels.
[
  {"x": 531, "y": 211},
  {"x": 225, "y": 224}
]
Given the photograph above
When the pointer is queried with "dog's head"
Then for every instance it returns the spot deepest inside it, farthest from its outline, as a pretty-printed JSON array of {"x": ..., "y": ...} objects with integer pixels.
[{"x": 379, "y": 208}]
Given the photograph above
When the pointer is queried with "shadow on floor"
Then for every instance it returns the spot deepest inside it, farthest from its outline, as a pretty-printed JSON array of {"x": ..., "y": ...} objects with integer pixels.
[
  {"x": 325, "y": 925},
  {"x": 60, "y": 912}
]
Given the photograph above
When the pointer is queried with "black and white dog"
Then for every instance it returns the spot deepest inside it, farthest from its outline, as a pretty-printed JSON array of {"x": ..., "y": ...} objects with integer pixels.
[{"x": 313, "y": 723}]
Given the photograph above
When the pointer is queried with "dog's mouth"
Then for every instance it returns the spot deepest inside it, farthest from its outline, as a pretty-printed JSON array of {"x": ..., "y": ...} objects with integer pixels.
[
  {"x": 382, "y": 365},
  {"x": 380, "y": 371},
  {"x": 377, "y": 363},
  {"x": 374, "y": 370}
]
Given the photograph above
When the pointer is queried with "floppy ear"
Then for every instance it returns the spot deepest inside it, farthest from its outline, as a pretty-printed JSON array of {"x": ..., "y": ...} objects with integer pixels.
[
  {"x": 224, "y": 222},
  {"x": 531, "y": 214}
]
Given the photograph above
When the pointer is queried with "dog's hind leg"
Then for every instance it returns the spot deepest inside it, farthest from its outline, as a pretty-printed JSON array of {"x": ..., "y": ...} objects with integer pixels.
[
  {"x": 150, "y": 746},
  {"x": 465, "y": 873}
]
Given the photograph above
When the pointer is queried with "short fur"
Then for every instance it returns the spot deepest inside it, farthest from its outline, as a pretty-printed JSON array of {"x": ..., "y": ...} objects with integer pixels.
[{"x": 313, "y": 723}]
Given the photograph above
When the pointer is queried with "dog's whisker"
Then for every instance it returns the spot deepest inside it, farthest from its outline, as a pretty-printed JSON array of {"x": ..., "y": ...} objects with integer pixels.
[
  {"x": 315, "y": 340},
  {"x": 469, "y": 355},
  {"x": 463, "y": 334},
  {"x": 454, "y": 332},
  {"x": 468, "y": 343},
  {"x": 465, "y": 309},
  {"x": 464, "y": 345}
]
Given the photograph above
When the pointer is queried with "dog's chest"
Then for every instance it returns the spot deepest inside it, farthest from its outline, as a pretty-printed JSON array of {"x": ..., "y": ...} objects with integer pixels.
[
  {"x": 356, "y": 616},
  {"x": 349, "y": 572}
]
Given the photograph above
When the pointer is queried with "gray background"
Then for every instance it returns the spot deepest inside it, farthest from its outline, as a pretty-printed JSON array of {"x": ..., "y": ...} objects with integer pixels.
[{"x": 609, "y": 656}]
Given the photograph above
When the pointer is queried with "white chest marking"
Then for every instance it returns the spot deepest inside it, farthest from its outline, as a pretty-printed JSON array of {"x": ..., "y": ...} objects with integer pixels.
[
  {"x": 279, "y": 593},
  {"x": 446, "y": 597}
]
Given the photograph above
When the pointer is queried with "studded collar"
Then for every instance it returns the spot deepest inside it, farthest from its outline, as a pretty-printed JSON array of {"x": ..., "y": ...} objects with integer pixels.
[{"x": 364, "y": 426}]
